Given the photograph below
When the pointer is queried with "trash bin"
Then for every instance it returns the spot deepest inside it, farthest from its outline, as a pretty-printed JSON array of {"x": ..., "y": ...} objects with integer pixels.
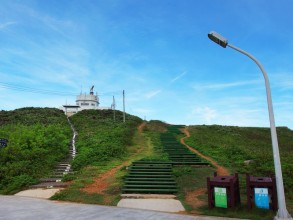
[
  {"x": 223, "y": 191},
  {"x": 262, "y": 192}
]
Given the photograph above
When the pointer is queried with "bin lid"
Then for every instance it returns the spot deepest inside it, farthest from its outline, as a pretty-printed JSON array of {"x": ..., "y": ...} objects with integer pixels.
[
  {"x": 260, "y": 179},
  {"x": 223, "y": 179}
]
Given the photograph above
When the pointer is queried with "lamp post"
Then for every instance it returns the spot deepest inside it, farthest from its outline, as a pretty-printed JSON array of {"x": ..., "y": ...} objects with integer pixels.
[{"x": 282, "y": 211}]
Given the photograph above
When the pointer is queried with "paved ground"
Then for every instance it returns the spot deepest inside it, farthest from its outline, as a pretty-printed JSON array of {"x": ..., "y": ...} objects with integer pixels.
[
  {"x": 23, "y": 208},
  {"x": 165, "y": 205},
  {"x": 38, "y": 193}
]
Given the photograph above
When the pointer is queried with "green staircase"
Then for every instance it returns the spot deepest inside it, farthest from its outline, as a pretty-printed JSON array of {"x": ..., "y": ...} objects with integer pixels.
[
  {"x": 150, "y": 177},
  {"x": 177, "y": 152},
  {"x": 156, "y": 177}
]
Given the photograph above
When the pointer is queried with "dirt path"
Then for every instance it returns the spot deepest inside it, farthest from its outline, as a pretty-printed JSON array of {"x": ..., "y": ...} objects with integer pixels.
[
  {"x": 192, "y": 197},
  {"x": 222, "y": 171},
  {"x": 193, "y": 200},
  {"x": 101, "y": 183}
]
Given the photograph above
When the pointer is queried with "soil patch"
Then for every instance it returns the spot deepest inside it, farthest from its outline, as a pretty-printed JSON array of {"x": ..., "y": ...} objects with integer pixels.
[
  {"x": 101, "y": 183},
  {"x": 192, "y": 197},
  {"x": 222, "y": 171},
  {"x": 141, "y": 126},
  {"x": 193, "y": 201}
]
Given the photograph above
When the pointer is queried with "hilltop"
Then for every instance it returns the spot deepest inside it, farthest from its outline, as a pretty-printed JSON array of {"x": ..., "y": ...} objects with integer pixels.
[{"x": 39, "y": 137}]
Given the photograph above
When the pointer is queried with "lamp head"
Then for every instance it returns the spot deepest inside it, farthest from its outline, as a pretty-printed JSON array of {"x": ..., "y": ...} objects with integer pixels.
[{"x": 217, "y": 38}]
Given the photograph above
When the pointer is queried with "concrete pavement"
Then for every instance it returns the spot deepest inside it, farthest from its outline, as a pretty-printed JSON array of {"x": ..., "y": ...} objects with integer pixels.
[
  {"x": 39, "y": 193},
  {"x": 23, "y": 208},
  {"x": 164, "y": 205}
]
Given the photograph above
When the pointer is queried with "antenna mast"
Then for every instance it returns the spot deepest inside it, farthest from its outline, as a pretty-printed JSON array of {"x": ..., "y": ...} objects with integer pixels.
[
  {"x": 113, "y": 107},
  {"x": 92, "y": 90},
  {"x": 123, "y": 106}
]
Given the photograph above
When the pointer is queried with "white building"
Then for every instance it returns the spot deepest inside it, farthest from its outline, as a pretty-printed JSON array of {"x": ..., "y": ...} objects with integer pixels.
[{"x": 83, "y": 102}]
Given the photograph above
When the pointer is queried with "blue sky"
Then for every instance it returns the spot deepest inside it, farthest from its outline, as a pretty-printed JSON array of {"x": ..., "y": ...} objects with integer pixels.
[{"x": 157, "y": 51}]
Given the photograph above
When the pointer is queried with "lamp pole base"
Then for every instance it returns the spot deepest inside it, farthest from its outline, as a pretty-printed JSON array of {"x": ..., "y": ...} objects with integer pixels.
[{"x": 287, "y": 216}]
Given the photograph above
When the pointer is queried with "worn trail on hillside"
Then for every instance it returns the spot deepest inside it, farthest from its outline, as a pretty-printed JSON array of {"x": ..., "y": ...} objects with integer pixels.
[
  {"x": 192, "y": 197},
  {"x": 101, "y": 183},
  {"x": 222, "y": 171}
]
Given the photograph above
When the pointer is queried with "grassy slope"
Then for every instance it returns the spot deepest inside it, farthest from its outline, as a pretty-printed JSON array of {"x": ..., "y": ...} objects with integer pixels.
[
  {"x": 102, "y": 145},
  {"x": 189, "y": 179},
  {"x": 100, "y": 139},
  {"x": 231, "y": 146},
  {"x": 37, "y": 139},
  {"x": 143, "y": 146}
]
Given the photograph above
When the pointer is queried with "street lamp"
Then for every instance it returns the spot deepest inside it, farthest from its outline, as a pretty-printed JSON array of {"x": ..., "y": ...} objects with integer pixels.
[{"x": 282, "y": 212}]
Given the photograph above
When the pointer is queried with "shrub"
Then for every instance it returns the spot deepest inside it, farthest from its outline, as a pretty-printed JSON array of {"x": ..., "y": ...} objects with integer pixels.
[
  {"x": 100, "y": 139},
  {"x": 37, "y": 139}
]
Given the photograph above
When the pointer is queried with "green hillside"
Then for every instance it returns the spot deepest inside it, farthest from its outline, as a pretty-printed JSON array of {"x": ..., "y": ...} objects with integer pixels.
[
  {"x": 37, "y": 139},
  {"x": 100, "y": 138},
  {"x": 102, "y": 144},
  {"x": 231, "y": 146}
]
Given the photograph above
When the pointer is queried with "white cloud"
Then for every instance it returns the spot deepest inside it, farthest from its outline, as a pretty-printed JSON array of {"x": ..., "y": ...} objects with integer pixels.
[
  {"x": 60, "y": 63},
  {"x": 204, "y": 114},
  {"x": 178, "y": 77},
  {"x": 247, "y": 117},
  {"x": 236, "y": 116},
  {"x": 142, "y": 110},
  {"x": 44, "y": 20},
  {"x": 7, "y": 24},
  {"x": 283, "y": 80},
  {"x": 225, "y": 85},
  {"x": 153, "y": 93}
]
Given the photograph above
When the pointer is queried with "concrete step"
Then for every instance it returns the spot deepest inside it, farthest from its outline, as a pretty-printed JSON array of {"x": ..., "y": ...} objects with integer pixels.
[
  {"x": 49, "y": 185},
  {"x": 62, "y": 172},
  {"x": 63, "y": 167},
  {"x": 51, "y": 180},
  {"x": 57, "y": 176},
  {"x": 63, "y": 164}
]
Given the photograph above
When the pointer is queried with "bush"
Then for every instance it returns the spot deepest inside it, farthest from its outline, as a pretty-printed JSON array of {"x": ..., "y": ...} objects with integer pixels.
[
  {"x": 18, "y": 182},
  {"x": 37, "y": 140},
  {"x": 100, "y": 139}
]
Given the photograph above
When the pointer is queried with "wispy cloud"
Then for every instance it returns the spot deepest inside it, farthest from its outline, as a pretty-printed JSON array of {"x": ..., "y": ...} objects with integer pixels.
[
  {"x": 142, "y": 110},
  {"x": 156, "y": 92},
  {"x": 105, "y": 47},
  {"x": 236, "y": 116},
  {"x": 219, "y": 86},
  {"x": 153, "y": 93},
  {"x": 44, "y": 21},
  {"x": 205, "y": 113},
  {"x": 178, "y": 77},
  {"x": 7, "y": 24},
  {"x": 282, "y": 80}
]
